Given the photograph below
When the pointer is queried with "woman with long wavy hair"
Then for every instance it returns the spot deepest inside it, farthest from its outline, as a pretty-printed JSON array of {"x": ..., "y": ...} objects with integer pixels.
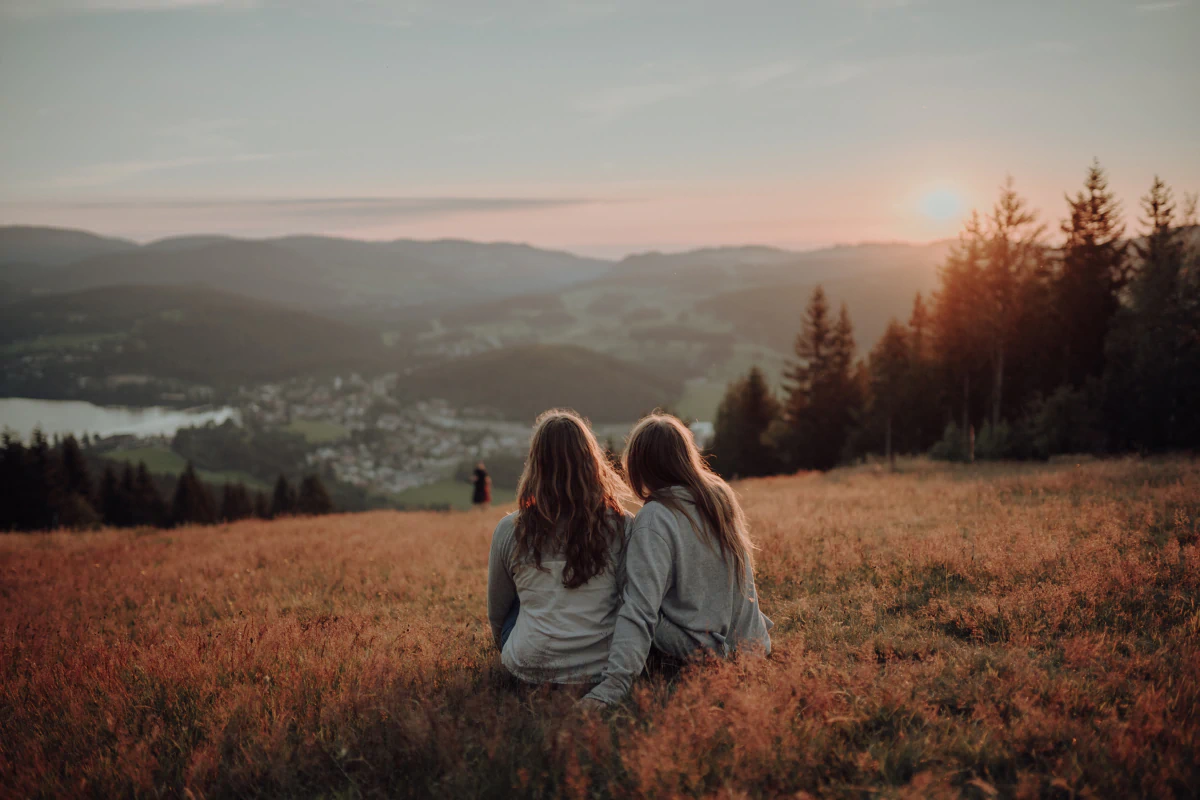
[
  {"x": 556, "y": 569},
  {"x": 690, "y": 561}
]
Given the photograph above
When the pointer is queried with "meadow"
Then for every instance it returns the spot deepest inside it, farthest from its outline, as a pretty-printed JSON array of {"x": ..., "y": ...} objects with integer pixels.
[{"x": 994, "y": 630}]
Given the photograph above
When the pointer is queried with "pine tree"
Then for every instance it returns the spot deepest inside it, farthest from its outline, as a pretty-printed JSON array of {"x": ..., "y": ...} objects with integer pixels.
[
  {"x": 823, "y": 395},
  {"x": 1094, "y": 270},
  {"x": 890, "y": 368},
  {"x": 235, "y": 503},
  {"x": 1153, "y": 351},
  {"x": 46, "y": 484},
  {"x": 114, "y": 504},
  {"x": 149, "y": 508},
  {"x": 313, "y": 499},
  {"x": 262, "y": 505},
  {"x": 1014, "y": 260},
  {"x": 957, "y": 337},
  {"x": 193, "y": 503},
  {"x": 740, "y": 446},
  {"x": 15, "y": 510},
  {"x": 75, "y": 468},
  {"x": 283, "y": 499},
  {"x": 922, "y": 396}
]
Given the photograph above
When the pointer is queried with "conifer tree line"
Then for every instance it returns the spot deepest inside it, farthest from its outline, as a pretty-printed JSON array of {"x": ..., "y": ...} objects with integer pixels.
[
  {"x": 49, "y": 485},
  {"x": 1031, "y": 346}
]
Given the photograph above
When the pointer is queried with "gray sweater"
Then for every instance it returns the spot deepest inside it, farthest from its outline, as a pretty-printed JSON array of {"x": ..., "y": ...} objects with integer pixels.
[
  {"x": 679, "y": 595},
  {"x": 562, "y": 635}
]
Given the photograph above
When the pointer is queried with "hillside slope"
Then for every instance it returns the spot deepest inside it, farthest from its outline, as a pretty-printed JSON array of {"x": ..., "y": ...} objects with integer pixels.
[
  {"x": 523, "y": 381},
  {"x": 978, "y": 632},
  {"x": 191, "y": 333},
  {"x": 53, "y": 247}
]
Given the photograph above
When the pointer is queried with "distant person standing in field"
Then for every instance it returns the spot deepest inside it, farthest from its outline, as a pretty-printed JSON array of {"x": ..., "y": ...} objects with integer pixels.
[
  {"x": 481, "y": 497},
  {"x": 690, "y": 570},
  {"x": 556, "y": 567}
]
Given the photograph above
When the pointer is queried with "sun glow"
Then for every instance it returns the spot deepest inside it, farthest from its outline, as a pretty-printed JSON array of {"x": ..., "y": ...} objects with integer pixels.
[{"x": 941, "y": 205}]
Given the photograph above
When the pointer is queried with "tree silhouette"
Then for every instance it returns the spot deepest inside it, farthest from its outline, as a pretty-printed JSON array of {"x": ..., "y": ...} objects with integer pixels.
[
  {"x": 823, "y": 394},
  {"x": 313, "y": 499},
  {"x": 1093, "y": 271},
  {"x": 740, "y": 446},
  {"x": 890, "y": 369},
  {"x": 193, "y": 503},
  {"x": 283, "y": 498}
]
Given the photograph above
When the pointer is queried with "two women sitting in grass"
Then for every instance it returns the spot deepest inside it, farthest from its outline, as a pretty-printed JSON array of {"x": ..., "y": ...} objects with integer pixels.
[{"x": 580, "y": 592}]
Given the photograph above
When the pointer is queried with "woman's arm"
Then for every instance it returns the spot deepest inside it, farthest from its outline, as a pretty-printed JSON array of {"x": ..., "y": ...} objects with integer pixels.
[
  {"x": 502, "y": 591},
  {"x": 649, "y": 570}
]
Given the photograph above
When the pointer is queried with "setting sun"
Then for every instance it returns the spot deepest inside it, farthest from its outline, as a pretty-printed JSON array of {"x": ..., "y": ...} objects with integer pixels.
[{"x": 942, "y": 205}]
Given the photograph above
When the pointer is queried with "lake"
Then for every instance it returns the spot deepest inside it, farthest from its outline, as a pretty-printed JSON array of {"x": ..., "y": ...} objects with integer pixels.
[{"x": 73, "y": 416}]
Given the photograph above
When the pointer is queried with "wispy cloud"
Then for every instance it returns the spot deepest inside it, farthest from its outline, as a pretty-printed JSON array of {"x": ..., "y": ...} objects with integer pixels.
[
  {"x": 340, "y": 209},
  {"x": 617, "y": 101},
  {"x": 761, "y": 75},
  {"x": 836, "y": 74},
  {"x": 28, "y": 8},
  {"x": 1150, "y": 8},
  {"x": 112, "y": 172}
]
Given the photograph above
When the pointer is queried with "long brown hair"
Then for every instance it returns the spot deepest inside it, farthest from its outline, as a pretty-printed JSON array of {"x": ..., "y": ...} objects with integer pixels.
[
  {"x": 661, "y": 454},
  {"x": 569, "y": 498}
]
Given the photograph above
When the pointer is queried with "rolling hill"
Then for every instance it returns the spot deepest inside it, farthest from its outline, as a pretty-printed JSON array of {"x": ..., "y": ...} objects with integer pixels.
[
  {"x": 311, "y": 272},
  {"x": 189, "y": 333},
  {"x": 521, "y": 382},
  {"x": 54, "y": 247}
]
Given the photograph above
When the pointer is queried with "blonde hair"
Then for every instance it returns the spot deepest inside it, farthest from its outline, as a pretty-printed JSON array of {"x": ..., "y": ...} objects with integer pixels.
[
  {"x": 569, "y": 498},
  {"x": 660, "y": 454}
]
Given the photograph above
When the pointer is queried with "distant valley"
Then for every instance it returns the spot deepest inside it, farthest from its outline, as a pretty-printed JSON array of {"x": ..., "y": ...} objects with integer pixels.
[
  {"x": 388, "y": 366},
  {"x": 217, "y": 312}
]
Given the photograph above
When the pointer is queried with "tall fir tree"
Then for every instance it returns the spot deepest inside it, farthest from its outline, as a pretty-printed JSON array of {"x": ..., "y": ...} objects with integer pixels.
[
  {"x": 262, "y": 505},
  {"x": 890, "y": 368},
  {"x": 148, "y": 506},
  {"x": 46, "y": 483},
  {"x": 1153, "y": 351},
  {"x": 236, "y": 503},
  {"x": 193, "y": 503},
  {"x": 16, "y": 511},
  {"x": 114, "y": 503},
  {"x": 1014, "y": 262},
  {"x": 77, "y": 477},
  {"x": 1093, "y": 271},
  {"x": 312, "y": 499},
  {"x": 283, "y": 498},
  {"x": 823, "y": 395},
  {"x": 923, "y": 396},
  {"x": 740, "y": 446},
  {"x": 958, "y": 339}
]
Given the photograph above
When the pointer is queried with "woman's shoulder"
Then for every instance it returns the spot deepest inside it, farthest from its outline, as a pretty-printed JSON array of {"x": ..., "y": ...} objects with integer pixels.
[{"x": 506, "y": 526}]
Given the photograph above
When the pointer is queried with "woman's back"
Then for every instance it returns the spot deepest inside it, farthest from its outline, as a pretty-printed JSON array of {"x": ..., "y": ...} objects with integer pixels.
[
  {"x": 704, "y": 604},
  {"x": 561, "y": 635}
]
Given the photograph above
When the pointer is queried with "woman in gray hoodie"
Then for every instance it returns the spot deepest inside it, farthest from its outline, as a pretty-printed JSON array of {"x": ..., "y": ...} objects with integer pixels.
[{"x": 689, "y": 564}]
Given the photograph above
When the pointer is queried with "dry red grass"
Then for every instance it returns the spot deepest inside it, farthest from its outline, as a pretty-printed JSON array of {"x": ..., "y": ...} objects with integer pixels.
[{"x": 1026, "y": 631}]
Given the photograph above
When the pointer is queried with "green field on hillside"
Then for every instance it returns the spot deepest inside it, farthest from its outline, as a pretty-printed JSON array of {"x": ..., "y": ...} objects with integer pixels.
[{"x": 456, "y": 494}]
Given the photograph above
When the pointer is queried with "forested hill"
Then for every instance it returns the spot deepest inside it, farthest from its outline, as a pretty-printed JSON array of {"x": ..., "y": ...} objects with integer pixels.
[
  {"x": 523, "y": 381},
  {"x": 192, "y": 333}
]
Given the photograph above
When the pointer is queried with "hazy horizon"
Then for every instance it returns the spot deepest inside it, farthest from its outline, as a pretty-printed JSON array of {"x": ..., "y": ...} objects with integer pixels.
[
  {"x": 602, "y": 127},
  {"x": 614, "y": 253}
]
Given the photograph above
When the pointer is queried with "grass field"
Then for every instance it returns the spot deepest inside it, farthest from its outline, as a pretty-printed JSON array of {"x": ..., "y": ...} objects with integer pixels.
[
  {"x": 164, "y": 461},
  {"x": 317, "y": 431},
  {"x": 449, "y": 492},
  {"x": 991, "y": 631}
]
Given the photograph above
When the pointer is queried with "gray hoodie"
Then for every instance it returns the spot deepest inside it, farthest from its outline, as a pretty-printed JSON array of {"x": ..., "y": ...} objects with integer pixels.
[{"x": 679, "y": 595}]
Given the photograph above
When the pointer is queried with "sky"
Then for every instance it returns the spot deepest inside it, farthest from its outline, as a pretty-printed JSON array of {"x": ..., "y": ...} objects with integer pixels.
[{"x": 599, "y": 126}]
